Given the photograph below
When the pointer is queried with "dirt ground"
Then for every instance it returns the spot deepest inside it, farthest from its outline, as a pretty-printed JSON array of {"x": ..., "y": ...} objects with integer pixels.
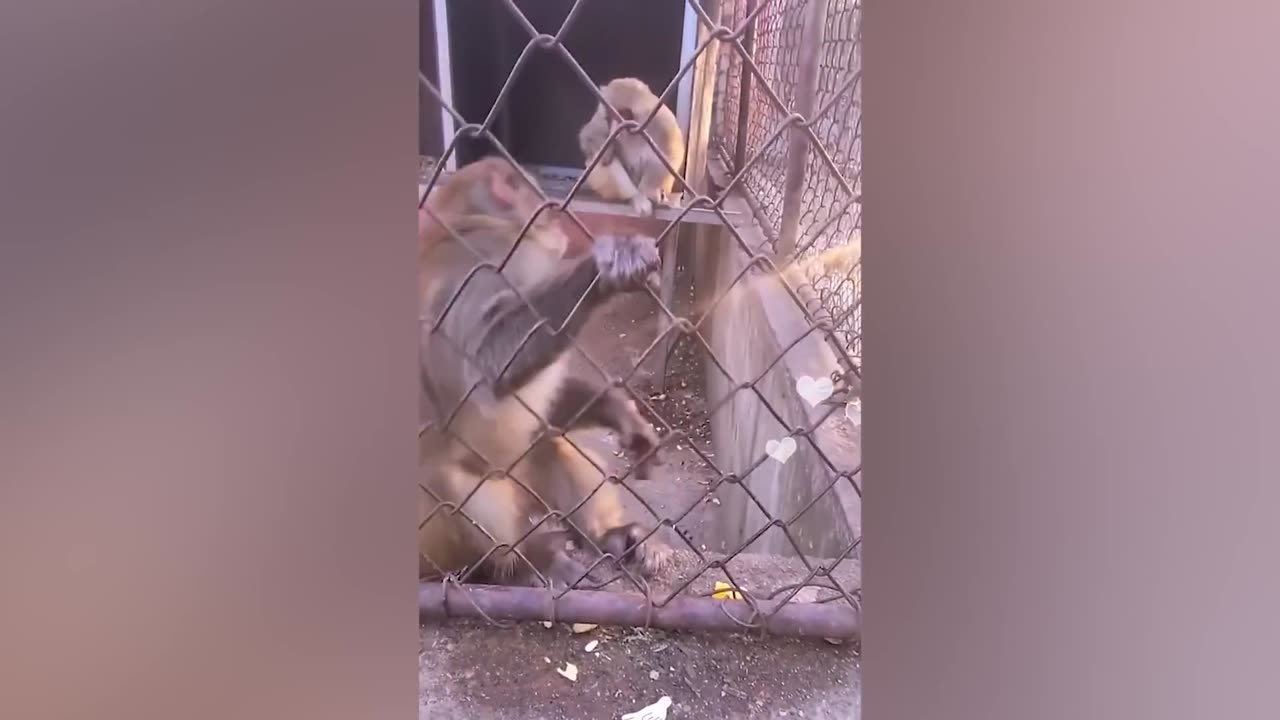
[{"x": 477, "y": 670}]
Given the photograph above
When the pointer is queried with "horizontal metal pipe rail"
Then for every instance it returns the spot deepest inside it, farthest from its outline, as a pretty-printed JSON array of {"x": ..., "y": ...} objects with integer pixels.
[{"x": 439, "y": 601}]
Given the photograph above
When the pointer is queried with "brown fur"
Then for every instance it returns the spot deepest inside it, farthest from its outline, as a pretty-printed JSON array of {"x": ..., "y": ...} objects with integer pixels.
[{"x": 482, "y": 463}]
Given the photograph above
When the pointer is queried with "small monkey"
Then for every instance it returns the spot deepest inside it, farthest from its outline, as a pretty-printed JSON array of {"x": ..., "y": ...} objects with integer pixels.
[
  {"x": 490, "y": 371},
  {"x": 628, "y": 170}
]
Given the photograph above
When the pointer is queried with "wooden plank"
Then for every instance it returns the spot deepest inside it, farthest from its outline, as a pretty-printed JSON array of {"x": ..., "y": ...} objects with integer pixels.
[{"x": 582, "y": 203}]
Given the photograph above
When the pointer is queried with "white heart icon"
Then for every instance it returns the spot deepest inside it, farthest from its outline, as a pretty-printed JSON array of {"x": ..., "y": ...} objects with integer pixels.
[
  {"x": 814, "y": 390},
  {"x": 781, "y": 450}
]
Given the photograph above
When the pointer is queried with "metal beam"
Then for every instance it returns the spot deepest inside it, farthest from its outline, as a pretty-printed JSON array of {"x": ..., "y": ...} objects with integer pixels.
[{"x": 834, "y": 620}]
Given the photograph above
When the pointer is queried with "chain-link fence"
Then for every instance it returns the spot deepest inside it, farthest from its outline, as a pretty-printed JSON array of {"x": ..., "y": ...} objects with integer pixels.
[
  {"x": 758, "y": 313},
  {"x": 775, "y": 69}
]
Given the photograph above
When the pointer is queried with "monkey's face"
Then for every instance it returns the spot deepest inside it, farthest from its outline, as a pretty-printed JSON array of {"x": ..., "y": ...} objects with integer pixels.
[
  {"x": 627, "y": 116},
  {"x": 510, "y": 195},
  {"x": 543, "y": 244}
]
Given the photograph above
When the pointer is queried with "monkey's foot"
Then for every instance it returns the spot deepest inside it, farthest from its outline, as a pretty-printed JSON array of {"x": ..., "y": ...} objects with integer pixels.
[
  {"x": 564, "y": 571},
  {"x": 657, "y": 557},
  {"x": 642, "y": 205}
]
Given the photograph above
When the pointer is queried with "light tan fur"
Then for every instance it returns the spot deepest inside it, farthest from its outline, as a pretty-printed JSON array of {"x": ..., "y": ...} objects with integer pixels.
[{"x": 629, "y": 171}]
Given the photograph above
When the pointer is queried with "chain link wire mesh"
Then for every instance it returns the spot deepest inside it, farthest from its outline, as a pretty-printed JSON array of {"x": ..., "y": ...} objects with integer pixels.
[
  {"x": 756, "y": 122},
  {"x": 754, "y": 91}
]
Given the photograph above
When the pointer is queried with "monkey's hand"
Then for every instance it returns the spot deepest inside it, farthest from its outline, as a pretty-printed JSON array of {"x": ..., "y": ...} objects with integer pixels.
[
  {"x": 637, "y": 441},
  {"x": 643, "y": 206},
  {"x": 624, "y": 262},
  {"x": 652, "y": 556}
]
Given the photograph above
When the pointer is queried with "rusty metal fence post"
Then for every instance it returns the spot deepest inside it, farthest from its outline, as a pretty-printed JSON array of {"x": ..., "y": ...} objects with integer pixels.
[
  {"x": 744, "y": 92},
  {"x": 798, "y": 147}
]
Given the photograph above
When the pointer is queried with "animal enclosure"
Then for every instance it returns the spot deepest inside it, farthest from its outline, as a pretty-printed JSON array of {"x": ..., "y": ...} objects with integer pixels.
[{"x": 747, "y": 357}]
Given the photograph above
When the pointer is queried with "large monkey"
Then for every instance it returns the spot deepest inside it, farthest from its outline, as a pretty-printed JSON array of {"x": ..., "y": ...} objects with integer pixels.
[
  {"x": 628, "y": 170},
  {"x": 490, "y": 370}
]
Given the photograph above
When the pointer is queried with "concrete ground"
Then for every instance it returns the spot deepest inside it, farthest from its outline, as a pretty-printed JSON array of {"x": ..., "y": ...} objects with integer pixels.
[{"x": 479, "y": 671}]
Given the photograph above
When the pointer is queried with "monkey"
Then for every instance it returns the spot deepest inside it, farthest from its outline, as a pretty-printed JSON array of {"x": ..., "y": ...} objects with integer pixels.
[
  {"x": 490, "y": 370},
  {"x": 629, "y": 170},
  {"x": 479, "y": 197},
  {"x": 449, "y": 543}
]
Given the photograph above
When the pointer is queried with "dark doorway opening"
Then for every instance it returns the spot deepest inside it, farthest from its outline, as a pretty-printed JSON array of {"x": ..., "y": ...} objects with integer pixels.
[{"x": 547, "y": 102}]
